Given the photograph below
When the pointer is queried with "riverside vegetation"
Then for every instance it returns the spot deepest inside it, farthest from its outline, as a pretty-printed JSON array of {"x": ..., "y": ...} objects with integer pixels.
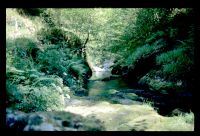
[{"x": 100, "y": 69}]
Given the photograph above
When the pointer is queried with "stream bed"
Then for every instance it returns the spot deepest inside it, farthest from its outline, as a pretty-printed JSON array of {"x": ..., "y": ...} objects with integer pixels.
[{"x": 121, "y": 108}]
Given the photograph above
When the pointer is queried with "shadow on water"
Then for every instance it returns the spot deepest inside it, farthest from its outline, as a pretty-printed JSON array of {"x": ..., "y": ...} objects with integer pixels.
[
  {"x": 104, "y": 86},
  {"x": 98, "y": 87}
]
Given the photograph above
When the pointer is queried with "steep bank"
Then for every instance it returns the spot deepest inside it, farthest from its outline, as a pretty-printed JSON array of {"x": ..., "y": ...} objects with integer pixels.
[
  {"x": 163, "y": 62},
  {"x": 44, "y": 63}
]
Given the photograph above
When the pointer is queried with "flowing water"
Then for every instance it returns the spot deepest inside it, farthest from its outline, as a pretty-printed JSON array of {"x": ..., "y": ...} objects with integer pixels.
[{"x": 126, "y": 113}]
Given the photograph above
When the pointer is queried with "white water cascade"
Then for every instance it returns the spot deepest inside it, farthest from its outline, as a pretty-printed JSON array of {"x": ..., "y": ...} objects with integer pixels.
[{"x": 100, "y": 73}]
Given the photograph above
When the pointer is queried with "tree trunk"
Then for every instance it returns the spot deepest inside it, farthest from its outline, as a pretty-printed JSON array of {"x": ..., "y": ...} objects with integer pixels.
[{"x": 84, "y": 46}]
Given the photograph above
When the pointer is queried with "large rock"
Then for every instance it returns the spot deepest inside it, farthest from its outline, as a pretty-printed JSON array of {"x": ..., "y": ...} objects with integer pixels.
[
  {"x": 81, "y": 71},
  {"x": 50, "y": 121}
]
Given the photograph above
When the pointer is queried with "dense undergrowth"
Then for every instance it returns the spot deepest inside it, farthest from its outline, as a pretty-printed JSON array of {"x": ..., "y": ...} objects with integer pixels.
[
  {"x": 42, "y": 62},
  {"x": 160, "y": 50}
]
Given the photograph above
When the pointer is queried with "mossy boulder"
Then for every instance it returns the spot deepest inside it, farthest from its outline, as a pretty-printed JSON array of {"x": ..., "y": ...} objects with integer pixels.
[{"x": 81, "y": 71}]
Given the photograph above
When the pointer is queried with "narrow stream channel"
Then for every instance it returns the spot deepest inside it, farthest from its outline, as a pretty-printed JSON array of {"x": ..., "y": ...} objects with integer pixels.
[
  {"x": 110, "y": 89},
  {"x": 118, "y": 91},
  {"x": 117, "y": 106}
]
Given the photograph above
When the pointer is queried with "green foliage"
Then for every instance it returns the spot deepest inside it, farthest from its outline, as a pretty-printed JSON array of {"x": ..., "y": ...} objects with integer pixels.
[
  {"x": 34, "y": 92},
  {"x": 155, "y": 81},
  {"x": 20, "y": 52},
  {"x": 53, "y": 61},
  {"x": 147, "y": 26},
  {"x": 143, "y": 29},
  {"x": 80, "y": 68},
  {"x": 161, "y": 86},
  {"x": 146, "y": 51},
  {"x": 59, "y": 37},
  {"x": 37, "y": 67},
  {"x": 175, "y": 63},
  {"x": 13, "y": 95},
  {"x": 160, "y": 33},
  {"x": 154, "y": 36},
  {"x": 62, "y": 50},
  {"x": 43, "y": 98},
  {"x": 51, "y": 35},
  {"x": 154, "y": 17},
  {"x": 176, "y": 55},
  {"x": 47, "y": 81},
  {"x": 60, "y": 61}
]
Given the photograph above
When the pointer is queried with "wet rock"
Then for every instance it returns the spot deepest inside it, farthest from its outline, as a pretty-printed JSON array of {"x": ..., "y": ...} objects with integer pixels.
[
  {"x": 50, "y": 121},
  {"x": 164, "y": 103},
  {"x": 15, "y": 120},
  {"x": 124, "y": 101},
  {"x": 36, "y": 119},
  {"x": 80, "y": 92},
  {"x": 42, "y": 127}
]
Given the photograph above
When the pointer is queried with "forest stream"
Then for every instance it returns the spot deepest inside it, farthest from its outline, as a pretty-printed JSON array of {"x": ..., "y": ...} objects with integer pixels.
[
  {"x": 117, "y": 110},
  {"x": 101, "y": 103},
  {"x": 100, "y": 69}
]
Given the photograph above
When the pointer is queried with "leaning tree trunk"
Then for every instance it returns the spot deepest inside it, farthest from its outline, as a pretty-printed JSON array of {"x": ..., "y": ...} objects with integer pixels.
[{"x": 84, "y": 46}]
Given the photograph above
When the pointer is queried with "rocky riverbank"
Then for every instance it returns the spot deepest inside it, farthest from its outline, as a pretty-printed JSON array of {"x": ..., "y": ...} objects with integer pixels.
[{"x": 50, "y": 121}]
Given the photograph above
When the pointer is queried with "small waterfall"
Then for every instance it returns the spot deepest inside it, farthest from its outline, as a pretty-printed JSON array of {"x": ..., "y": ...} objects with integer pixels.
[{"x": 100, "y": 73}]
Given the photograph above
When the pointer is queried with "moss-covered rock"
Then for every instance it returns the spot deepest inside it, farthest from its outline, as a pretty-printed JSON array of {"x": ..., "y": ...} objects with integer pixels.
[{"x": 82, "y": 72}]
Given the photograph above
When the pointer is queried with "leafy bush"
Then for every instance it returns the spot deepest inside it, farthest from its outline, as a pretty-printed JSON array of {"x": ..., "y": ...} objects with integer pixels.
[
  {"x": 14, "y": 96},
  {"x": 175, "y": 63},
  {"x": 56, "y": 35},
  {"x": 145, "y": 51},
  {"x": 155, "y": 36},
  {"x": 20, "y": 52},
  {"x": 43, "y": 98},
  {"x": 47, "y": 81},
  {"x": 157, "y": 18},
  {"x": 53, "y": 61},
  {"x": 34, "y": 92},
  {"x": 51, "y": 35}
]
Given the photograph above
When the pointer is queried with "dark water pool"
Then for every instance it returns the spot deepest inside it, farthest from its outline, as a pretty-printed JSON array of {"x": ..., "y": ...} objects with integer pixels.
[{"x": 98, "y": 87}]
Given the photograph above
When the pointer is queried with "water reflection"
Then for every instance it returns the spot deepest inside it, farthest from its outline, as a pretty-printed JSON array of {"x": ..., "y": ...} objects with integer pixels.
[{"x": 100, "y": 88}]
